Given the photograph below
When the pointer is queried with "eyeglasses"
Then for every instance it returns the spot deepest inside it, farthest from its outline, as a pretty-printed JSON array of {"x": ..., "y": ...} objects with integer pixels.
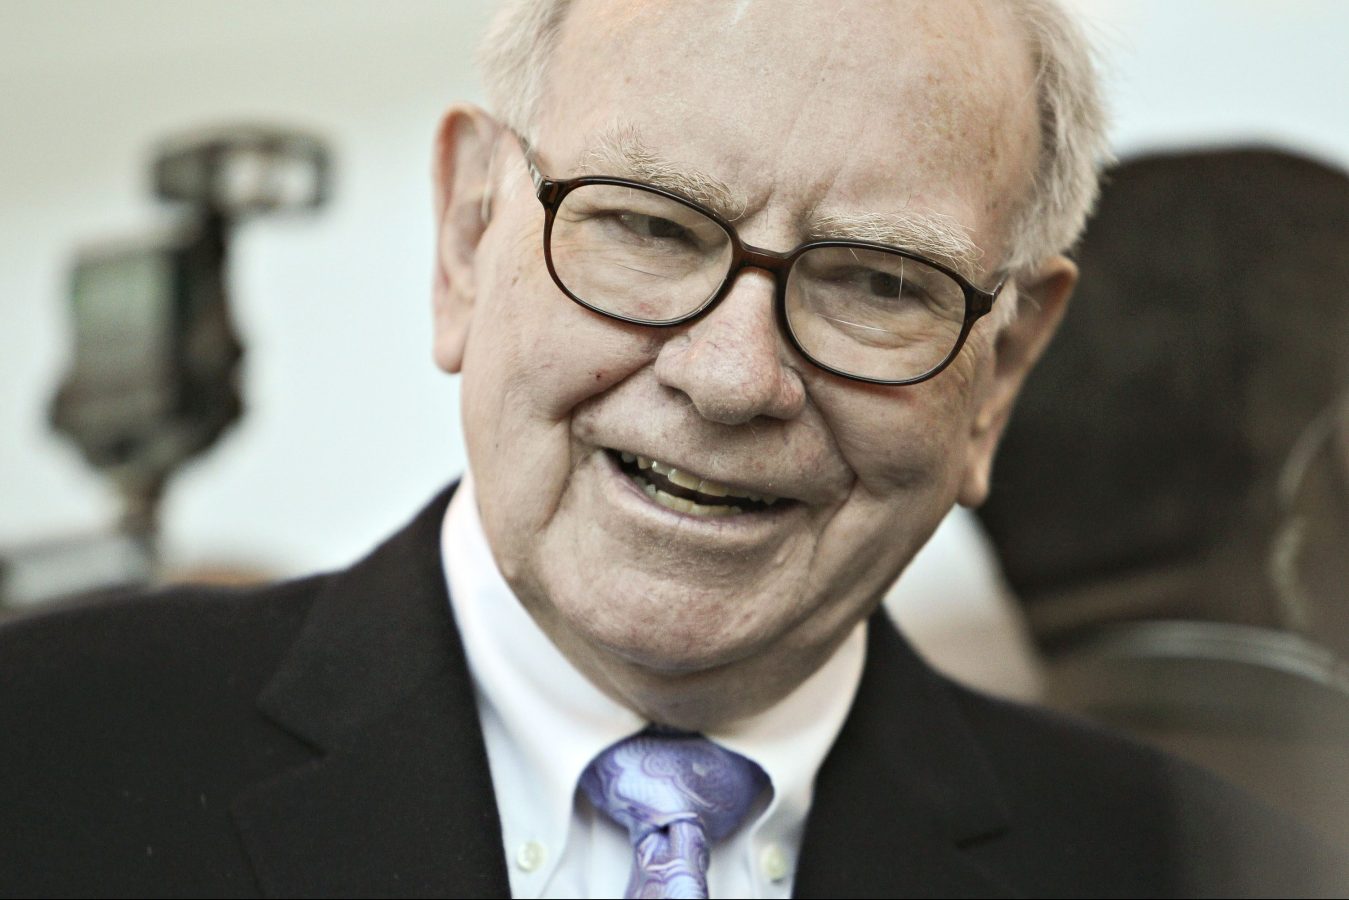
[{"x": 644, "y": 255}]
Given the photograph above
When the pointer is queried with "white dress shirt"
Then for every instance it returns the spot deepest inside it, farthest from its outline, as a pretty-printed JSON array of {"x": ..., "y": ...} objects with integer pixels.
[{"x": 543, "y": 722}]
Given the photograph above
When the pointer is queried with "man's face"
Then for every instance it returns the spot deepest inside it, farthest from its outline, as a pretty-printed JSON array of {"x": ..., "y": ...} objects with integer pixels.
[{"x": 803, "y": 114}]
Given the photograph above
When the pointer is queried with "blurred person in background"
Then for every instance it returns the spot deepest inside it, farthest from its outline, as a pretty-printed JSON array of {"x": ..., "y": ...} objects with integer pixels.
[{"x": 1173, "y": 494}]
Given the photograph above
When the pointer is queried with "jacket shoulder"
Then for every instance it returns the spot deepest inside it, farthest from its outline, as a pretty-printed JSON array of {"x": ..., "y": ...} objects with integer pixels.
[
  {"x": 179, "y": 633},
  {"x": 129, "y": 724},
  {"x": 1107, "y": 802}
]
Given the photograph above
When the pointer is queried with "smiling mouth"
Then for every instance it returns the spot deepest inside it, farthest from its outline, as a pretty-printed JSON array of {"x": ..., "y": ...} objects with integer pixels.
[{"x": 686, "y": 493}]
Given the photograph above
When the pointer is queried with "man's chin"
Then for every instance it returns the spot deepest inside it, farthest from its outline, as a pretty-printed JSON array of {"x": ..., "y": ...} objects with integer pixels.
[
  {"x": 668, "y": 646},
  {"x": 679, "y": 686}
]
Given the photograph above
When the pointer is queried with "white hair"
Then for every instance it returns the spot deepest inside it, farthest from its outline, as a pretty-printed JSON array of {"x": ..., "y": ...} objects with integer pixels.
[
  {"x": 515, "y": 53},
  {"x": 514, "y": 57},
  {"x": 1073, "y": 142}
]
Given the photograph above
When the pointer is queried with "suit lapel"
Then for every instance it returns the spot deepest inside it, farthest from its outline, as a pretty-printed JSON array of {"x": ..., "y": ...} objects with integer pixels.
[
  {"x": 902, "y": 790},
  {"x": 398, "y": 799}
]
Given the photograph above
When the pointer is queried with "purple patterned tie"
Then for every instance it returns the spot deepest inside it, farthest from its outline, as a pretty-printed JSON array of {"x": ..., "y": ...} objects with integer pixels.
[{"x": 676, "y": 793}]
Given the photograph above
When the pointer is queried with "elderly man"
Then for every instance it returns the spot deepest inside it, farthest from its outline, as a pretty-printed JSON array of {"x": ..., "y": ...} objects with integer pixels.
[{"x": 741, "y": 294}]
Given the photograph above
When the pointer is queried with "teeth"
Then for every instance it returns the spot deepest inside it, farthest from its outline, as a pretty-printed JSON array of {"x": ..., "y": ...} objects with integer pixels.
[
  {"x": 683, "y": 479},
  {"x": 694, "y": 483},
  {"x": 712, "y": 489},
  {"x": 679, "y": 504}
]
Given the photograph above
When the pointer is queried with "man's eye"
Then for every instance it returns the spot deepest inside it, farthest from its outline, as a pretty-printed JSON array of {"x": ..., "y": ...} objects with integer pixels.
[
  {"x": 654, "y": 227},
  {"x": 884, "y": 284}
]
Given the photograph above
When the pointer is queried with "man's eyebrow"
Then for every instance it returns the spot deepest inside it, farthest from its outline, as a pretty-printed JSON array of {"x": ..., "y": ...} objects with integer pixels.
[
  {"x": 619, "y": 151},
  {"x": 933, "y": 235}
]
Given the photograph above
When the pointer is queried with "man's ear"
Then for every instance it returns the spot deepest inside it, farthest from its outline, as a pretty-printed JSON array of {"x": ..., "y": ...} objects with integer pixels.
[
  {"x": 1042, "y": 299},
  {"x": 462, "y": 175}
]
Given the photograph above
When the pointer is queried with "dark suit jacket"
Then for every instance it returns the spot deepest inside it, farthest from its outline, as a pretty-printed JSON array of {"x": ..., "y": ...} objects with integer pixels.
[{"x": 320, "y": 738}]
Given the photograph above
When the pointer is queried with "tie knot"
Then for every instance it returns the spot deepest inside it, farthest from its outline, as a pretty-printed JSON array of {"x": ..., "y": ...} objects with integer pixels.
[{"x": 654, "y": 779}]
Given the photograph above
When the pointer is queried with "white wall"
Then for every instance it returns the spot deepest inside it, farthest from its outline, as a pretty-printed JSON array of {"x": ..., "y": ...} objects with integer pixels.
[
  {"x": 1215, "y": 71},
  {"x": 349, "y": 426}
]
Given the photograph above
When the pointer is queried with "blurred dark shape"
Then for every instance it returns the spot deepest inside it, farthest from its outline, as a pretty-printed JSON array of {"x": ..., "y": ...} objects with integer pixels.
[
  {"x": 1171, "y": 502},
  {"x": 1139, "y": 477},
  {"x": 73, "y": 567},
  {"x": 243, "y": 171},
  {"x": 1267, "y": 709},
  {"x": 1309, "y": 558},
  {"x": 153, "y": 380}
]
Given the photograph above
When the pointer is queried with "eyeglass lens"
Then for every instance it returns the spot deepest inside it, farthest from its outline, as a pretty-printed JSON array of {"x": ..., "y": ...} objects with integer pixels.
[{"x": 860, "y": 310}]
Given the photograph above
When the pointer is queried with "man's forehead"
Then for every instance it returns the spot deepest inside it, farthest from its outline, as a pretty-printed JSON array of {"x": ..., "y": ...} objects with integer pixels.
[
  {"x": 889, "y": 111},
  {"x": 837, "y": 45}
]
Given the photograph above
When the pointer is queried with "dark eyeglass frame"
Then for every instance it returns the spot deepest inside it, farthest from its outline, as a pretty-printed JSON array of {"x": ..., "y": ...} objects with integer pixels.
[{"x": 551, "y": 192}]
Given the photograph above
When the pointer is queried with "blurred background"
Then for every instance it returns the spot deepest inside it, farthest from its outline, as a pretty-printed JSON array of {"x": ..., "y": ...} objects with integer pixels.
[{"x": 347, "y": 427}]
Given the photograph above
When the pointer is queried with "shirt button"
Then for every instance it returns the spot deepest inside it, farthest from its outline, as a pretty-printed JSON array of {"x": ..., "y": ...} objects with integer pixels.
[
  {"x": 530, "y": 855},
  {"x": 774, "y": 863}
]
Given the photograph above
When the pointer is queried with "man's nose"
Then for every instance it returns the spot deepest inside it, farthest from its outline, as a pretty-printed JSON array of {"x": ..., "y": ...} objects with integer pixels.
[{"x": 732, "y": 364}]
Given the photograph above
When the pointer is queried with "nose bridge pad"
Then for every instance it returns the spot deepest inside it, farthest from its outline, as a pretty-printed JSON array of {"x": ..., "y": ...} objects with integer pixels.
[{"x": 773, "y": 264}]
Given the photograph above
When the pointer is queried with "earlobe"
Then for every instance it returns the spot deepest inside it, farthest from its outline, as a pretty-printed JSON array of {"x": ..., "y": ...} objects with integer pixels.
[
  {"x": 1042, "y": 300},
  {"x": 461, "y": 173}
]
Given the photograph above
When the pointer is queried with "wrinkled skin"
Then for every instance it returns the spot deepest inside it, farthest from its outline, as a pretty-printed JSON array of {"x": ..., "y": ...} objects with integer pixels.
[{"x": 696, "y": 622}]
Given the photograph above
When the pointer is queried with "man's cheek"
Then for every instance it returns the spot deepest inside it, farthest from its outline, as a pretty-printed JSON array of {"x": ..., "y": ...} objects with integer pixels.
[
  {"x": 585, "y": 357},
  {"x": 898, "y": 442}
]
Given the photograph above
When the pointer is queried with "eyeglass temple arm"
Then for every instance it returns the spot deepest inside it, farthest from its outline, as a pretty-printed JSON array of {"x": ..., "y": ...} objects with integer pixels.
[{"x": 534, "y": 174}]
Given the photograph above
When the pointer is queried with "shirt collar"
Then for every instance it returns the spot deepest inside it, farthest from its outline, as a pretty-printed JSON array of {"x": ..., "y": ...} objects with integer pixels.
[{"x": 543, "y": 721}]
